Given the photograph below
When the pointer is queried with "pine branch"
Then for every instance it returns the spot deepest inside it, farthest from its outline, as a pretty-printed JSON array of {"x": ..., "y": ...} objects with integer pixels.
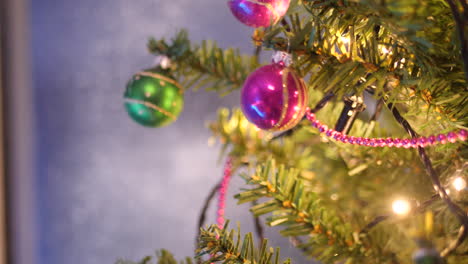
[
  {"x": 323, "y": 102},
  {"x": 422, "y": 60},
  {"x": 438, "y": 187},
  {"x": 301, "y": 213},
  {"x": 379, "y": 219},
  {"x": 217, "y": 69},
  {"x": 145, "y": 260},
  {"x": 162, "y": 257},
  {"x": 353, "y": 105},
  {"x": 258, "y": 225},
  {"x": 338, "y": 46},
  {"x": 206, "y": 205},
  {"x": 248, "y": 144},
  {"x": 461, "y": 19},
  {"x": 226, "y": 246},
  {"x": 206, "y": 65},
  {"x": 362, "y": 165},
  {"x": 378, "y": 110}
]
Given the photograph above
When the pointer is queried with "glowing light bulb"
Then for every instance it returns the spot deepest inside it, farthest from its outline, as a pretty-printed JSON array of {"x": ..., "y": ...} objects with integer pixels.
[
  {"x": 401, "y": 207},
  {"x": 385, "y": 50},
  {"x": 459, "y": 183},
  {"x": 345, "y": 40}
]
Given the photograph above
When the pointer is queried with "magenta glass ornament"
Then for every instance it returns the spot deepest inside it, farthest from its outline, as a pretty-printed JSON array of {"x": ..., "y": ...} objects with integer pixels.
[
  {"x": 259, "y": 13},
  {"x": 274, "y": 97}
]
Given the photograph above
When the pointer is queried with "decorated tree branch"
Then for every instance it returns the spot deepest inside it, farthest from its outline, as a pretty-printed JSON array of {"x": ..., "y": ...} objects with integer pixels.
[{"x": 352, "y": 139}]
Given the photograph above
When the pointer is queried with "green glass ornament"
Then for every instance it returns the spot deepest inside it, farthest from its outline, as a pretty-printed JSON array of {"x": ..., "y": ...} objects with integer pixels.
[{"x": 153, "y": 99}]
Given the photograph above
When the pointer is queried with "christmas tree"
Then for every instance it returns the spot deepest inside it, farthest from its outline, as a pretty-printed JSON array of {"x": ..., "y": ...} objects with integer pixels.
[{"x": 351, "y": 140}]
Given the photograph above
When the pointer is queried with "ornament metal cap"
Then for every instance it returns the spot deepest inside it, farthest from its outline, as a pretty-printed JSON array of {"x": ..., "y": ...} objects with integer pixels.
[
  {"x": 282, "y": 57},
  {"x": 162, "y": 61}
]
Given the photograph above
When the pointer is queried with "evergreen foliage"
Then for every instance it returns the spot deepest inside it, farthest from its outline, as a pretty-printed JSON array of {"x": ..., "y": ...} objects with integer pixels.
[{"x": 334, "y": 199}]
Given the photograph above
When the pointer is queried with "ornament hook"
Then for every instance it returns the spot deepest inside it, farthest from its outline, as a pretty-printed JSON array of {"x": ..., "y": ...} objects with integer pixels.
[
  {"x": 162, "y": 61},
  {"x": 283, "y": 57}
]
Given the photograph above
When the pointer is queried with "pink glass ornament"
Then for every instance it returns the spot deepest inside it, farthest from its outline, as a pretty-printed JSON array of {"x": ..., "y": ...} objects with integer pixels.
[
  {"x": 274, "y": 97},
  {"x": 259, "y": 13}
]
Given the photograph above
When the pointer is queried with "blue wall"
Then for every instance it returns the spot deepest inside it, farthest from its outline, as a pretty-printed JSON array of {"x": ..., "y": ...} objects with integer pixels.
[{"x": 107, "y": 187}]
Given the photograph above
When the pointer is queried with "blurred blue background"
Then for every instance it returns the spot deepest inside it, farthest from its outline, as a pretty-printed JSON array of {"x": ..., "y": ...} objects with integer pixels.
[{"x": 107, "y": 187}]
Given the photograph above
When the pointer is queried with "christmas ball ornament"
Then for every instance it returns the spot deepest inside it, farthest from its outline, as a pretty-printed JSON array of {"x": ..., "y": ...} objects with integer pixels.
[
  {"x": 153, "y": 99},
  {"x": 259, "y": 13},
  {"x": 274, "y": 97}
]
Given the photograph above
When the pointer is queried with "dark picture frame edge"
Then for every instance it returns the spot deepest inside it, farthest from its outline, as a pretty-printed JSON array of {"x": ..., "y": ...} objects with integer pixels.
[{"x": 18, "y": 243}]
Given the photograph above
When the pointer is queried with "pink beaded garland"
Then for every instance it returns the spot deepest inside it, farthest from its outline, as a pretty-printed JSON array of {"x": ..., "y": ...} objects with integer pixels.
[
  {"x": 259, "y": 13},
  {"x": 222, "y": 192},
  {"x": 274, "y": 97},
  {"x": 451, "y": 137}
]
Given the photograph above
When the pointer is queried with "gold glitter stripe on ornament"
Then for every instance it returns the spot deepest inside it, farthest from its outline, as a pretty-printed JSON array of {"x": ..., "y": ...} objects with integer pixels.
[
  {"x": 152, "y": 106},
  {"x": 293, "y": 119},
  {"x": 269, "y": 6},
  {"x": 284, "y": 110},
  {"x": 164, "y": 78},
  {"x": 300, "y": 101}
]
